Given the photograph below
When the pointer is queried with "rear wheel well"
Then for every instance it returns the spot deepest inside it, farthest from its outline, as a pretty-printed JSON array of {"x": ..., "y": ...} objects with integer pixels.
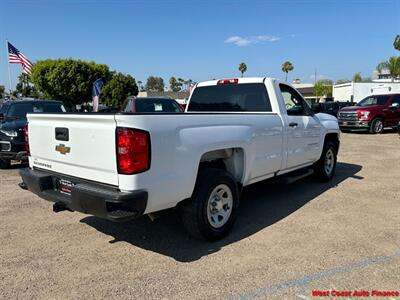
[{"x": 230, "y": 160}]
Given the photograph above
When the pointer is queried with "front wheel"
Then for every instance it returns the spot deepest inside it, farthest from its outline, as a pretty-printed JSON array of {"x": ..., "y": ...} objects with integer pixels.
[
  {"x": 325, "y": 167},
  {"x": 212, "y": 210},
  {"x": 376, "y": 126}
]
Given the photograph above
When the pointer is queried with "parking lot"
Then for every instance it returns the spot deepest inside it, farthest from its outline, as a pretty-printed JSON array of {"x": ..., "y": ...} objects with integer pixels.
[{"x": 288, "y": 240}]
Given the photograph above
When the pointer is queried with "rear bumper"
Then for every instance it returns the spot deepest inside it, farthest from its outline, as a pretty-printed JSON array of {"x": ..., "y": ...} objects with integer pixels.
[
  {"x": 86, "y": 197},
  {"x": 353, "y": 124},
  {"x": 14, "y": 155}
]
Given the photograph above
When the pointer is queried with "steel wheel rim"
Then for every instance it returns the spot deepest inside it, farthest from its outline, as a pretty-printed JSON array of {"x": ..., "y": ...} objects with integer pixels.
[
  {"x": 219, "y": 206},
  {"x": 378, "y": 126},
  {"x": 329, "y": 161}
]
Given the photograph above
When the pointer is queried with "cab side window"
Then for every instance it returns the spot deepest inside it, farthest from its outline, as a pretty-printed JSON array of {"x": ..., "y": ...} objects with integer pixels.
[
  {"x": 294, "y": 103},
  {"x": 395, "y": 100}
]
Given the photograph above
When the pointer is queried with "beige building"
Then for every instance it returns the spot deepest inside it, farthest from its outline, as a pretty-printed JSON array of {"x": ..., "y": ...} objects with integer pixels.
[{"x": 180, "y": 97}]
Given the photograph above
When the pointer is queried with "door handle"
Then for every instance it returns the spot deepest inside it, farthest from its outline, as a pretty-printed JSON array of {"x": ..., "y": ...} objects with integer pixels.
[{"x": 293, "y": 124}]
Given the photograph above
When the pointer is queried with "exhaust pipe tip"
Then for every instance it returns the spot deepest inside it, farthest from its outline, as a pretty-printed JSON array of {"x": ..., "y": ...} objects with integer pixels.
[
  {"x": 60, "y": 206},
  {"x": 23, "y": 185}
]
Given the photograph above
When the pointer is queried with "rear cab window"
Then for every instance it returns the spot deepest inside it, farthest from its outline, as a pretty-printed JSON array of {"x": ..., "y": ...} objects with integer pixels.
[{"x": 243, "y": 97}]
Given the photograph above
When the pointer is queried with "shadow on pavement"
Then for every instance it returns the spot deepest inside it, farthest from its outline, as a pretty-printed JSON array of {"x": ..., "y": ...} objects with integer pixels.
[
  {"x": 262, "y": 205},
  {"x": 366, "y": 132},
  {"x": 18, "y": 166}
]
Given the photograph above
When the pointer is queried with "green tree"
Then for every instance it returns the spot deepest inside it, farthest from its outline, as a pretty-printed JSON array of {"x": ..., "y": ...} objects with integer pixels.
[
  {"x": 115, "y": 91},
  {"x": 174, "y": 84},
  {"x": 242, "y": 68},
  {"x": 323, "y": 88},
  {"x": 287, "y": 66},
  {"x": 396, "y": 43},
  {"x": 155, "y": 84},
  {"x": 69, "y": 80},
  {"x": 2, "y": 90},
  {"x": 357, "y": 77}
]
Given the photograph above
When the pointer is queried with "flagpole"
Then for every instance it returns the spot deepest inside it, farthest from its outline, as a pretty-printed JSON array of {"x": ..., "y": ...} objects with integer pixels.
[{"x": 9, "y": 70}]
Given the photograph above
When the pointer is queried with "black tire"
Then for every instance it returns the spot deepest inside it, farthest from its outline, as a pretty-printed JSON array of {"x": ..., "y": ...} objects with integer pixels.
[
  {"x": 4, "y": 163},
  {"x": 375, "y": 128},
  {"x": 320, "y": 170},
  {"x": 195, "y": 212}
]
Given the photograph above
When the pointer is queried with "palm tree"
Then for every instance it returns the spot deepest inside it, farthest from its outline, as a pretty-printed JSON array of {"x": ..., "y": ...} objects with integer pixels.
[
  {"x": 357, "y": 77},
  {"x": 287, "y": 66},
  {"x": 242, "y": 68},
  {"x": 396, "y": 43},
  {"x": 381, "y": 66},
  {"x": 392, "y": 65}
]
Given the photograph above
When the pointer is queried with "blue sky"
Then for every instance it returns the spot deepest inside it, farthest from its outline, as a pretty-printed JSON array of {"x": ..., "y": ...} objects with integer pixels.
[{"x": 205, "y": 39}]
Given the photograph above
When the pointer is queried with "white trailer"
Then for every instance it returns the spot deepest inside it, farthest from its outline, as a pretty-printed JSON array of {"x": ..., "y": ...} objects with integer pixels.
[{"x": 356, "y": 91}]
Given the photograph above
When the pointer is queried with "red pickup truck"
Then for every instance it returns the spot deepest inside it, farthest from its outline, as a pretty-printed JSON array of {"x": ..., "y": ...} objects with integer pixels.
[{"x": 373, "y": 113}]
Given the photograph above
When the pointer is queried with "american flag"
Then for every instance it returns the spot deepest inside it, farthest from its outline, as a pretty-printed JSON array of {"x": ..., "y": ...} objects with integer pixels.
[{"x": 17, "y": 57}]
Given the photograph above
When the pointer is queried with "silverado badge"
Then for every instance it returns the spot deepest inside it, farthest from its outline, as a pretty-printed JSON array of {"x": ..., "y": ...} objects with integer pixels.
[{"x": 62, "y": 149}]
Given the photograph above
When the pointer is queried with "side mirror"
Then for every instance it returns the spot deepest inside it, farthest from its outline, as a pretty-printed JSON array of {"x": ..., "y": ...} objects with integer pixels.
[
  {"x": 394, "y": 105},
  {"x": 316, "y": 107}
]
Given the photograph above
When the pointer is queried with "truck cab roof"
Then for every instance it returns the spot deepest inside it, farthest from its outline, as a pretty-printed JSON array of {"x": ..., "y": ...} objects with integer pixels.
[{"x": 235, "y": 80}]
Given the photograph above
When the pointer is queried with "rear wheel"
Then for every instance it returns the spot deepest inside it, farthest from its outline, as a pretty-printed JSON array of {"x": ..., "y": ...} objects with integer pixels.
[
  {"x": 325, "y": 167},
  {"x": 376, "y": 126},
  {"x": 4, "y": 163},
  {"x": 212, "y": 210}
]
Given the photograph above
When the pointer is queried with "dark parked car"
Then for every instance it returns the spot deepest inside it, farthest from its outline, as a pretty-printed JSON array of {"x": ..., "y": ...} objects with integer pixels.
[
  {"x": 330, "y": 107},
  {"x": 151, "y": 105},
  {"x": 12, "y": 123}
]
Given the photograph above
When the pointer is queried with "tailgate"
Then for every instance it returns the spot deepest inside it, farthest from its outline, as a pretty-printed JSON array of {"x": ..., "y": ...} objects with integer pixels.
[{"x": 77, "y": 145}]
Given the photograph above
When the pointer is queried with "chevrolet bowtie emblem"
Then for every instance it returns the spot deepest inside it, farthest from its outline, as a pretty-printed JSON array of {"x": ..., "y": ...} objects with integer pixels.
[{"x": 62, "y": 149}]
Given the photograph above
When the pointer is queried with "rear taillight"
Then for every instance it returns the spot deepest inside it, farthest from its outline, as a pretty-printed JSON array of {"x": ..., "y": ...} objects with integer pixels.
[
  {"x": 228, "y": 81},
  {"x": 27, "y": 149},
  {"x": 133, "y": 150}
]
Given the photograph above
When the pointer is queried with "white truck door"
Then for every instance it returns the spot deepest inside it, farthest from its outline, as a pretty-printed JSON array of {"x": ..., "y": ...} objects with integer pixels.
[{"x": 303, "y": 129}]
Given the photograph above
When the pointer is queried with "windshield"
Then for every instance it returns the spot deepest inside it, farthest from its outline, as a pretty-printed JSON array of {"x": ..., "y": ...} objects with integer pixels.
[
  {"x": 3, "y": 108},
  {"x": 19, "y": 110},
  {"x": 373, "y": 100}
]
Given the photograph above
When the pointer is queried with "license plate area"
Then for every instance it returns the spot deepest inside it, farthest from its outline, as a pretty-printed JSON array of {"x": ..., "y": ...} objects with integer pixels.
[{"x": 64, "y": 186}]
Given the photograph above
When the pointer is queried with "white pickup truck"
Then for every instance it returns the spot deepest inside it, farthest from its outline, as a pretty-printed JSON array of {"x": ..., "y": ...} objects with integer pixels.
[{"x": 234, "y": 132}]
